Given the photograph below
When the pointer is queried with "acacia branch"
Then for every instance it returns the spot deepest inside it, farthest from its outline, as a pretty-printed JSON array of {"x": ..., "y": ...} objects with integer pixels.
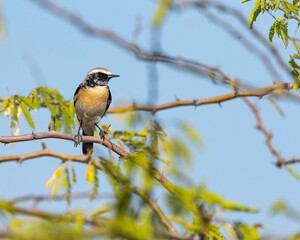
[
  {"x": 281, "y": 88},
  {"x": 277, "y": 87}
]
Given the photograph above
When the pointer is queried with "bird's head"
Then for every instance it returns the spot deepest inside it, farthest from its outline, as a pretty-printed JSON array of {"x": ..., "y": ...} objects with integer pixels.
[{"x": 100, "y": 76}]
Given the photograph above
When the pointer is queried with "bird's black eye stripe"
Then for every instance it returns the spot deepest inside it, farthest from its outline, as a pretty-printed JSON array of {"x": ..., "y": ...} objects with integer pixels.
[
  {"x": 101, "y": 75},
  {"x": 90, "y": 82}
]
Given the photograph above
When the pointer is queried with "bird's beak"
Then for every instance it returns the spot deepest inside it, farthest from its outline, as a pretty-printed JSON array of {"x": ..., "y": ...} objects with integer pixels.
[{"x": 114, "y": 75}]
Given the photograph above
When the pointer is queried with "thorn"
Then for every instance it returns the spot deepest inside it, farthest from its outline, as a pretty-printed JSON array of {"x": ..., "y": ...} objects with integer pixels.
[
  {"x": 33, "y": 135},
  {"x": 220, "y": 105},
  {"x": 176, "y": 98},
  {"x": 21, "y": 160},
  {"x": 49, "y": 127},
  {"x": 44, "y": 146},
  {"x": 108, "y": 128}
]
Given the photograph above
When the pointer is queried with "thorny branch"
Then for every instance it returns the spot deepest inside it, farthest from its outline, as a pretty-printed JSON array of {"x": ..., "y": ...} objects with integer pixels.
[
  {"x": 277, "y": 87},
  {"x": 281, "y": 88}
]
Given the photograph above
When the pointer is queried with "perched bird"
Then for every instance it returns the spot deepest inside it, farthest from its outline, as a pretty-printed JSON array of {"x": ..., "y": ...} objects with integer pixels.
[{"x": 91, "y": 101}]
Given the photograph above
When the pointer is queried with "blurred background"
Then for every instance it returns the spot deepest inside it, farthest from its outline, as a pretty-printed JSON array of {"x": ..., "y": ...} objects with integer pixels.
[{"x": 38, "y": 48}]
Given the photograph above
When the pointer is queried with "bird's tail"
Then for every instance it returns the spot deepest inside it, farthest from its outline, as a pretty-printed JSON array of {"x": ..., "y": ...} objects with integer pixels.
[{"x": 87, "y": 148}]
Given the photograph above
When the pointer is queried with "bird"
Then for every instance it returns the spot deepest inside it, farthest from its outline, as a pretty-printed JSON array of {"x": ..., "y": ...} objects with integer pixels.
[{"x": 91, "y": 101}]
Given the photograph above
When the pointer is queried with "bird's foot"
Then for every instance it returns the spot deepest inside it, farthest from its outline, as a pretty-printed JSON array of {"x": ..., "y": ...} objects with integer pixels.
[
  {"x": 77, "y": 139},
  {"x": 102, "y": 134}
]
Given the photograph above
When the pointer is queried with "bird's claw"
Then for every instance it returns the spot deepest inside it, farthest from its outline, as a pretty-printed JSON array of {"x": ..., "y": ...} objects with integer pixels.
[
  {"x": 102, "y": 134},
  {"x": 77, "y": 139}
]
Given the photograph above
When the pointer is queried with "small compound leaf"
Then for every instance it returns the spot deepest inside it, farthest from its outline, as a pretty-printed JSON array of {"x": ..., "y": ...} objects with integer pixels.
[{"x": 27, "y": 114}]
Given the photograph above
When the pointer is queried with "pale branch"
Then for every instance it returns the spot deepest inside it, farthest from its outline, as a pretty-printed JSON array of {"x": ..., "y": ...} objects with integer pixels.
[
  {"x": 280, "y": 161},
  {"x": 243, "y": 40},
  {"x": 52, "y": 134},
  {"x": 222, "y": 8},
  {"x": 179, "y": 62}
]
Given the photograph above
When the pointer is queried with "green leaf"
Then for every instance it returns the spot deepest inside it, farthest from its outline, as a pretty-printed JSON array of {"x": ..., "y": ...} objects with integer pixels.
[
  {"x": 92, "y": 178},
  {"x": 215, "y": 199},
  {"x": 296, "y": 86},
  {"x": 191, "y": 133},
  {"x": 279, "y": 27},
  {"x": 27, "y": 101},
  {"x": 161, "y": 12},
  {"x": 276, "y": 106},
  {"x": 254, "y": 13},
  {"x": 293, "y": 172},
  {"x": 4, "y": 105},
  {"x": 66, "y": 186},
  {"x": 277, "y": 3},
  {"x": 27, "y": 114},
  {"x": 272, "y": 31},
  {"x": 54, "y": 180},
  {"x": 13, "y": 109},
  {"x": 289, "y": 8},
  {"x": 245, "y": 232}
]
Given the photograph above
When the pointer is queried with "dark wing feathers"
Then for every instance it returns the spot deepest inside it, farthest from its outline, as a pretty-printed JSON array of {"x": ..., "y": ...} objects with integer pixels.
[{"x": 108, "y": 102}]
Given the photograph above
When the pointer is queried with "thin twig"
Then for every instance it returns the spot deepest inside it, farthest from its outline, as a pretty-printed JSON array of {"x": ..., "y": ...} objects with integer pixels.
[
  {"x": 280, "y": 161},
  {"x": 39, "y": 198}
]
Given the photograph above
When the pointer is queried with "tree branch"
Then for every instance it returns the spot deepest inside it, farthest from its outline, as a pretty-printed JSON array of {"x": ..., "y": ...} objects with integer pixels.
[
  {"x": 122, "y": 153},
  {"x": 277, "y": 87},
  {"x": 280, "y": 161},
  {"x": 178, "y": 62},
  {"x": 260, "y": 92},
  {"x": 52, "y": 134},
  {"x": 39, "y": 198}
]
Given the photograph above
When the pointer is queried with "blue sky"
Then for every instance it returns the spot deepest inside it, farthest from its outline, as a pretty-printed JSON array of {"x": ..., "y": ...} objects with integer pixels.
[{"x": 38, "y": 48}]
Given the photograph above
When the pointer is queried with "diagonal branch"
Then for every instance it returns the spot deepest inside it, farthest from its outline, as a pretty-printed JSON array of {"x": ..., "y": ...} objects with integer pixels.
[
  {"x": 237, "y": 14},
  {"x": 178, "y": 62},
  {"x": 280, "y": 161},
  {"x": 122, "y": 153}
]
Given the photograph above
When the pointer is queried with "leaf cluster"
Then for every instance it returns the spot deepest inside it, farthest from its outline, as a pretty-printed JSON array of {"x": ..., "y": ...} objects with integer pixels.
[{"x": 61, "y": 110}]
